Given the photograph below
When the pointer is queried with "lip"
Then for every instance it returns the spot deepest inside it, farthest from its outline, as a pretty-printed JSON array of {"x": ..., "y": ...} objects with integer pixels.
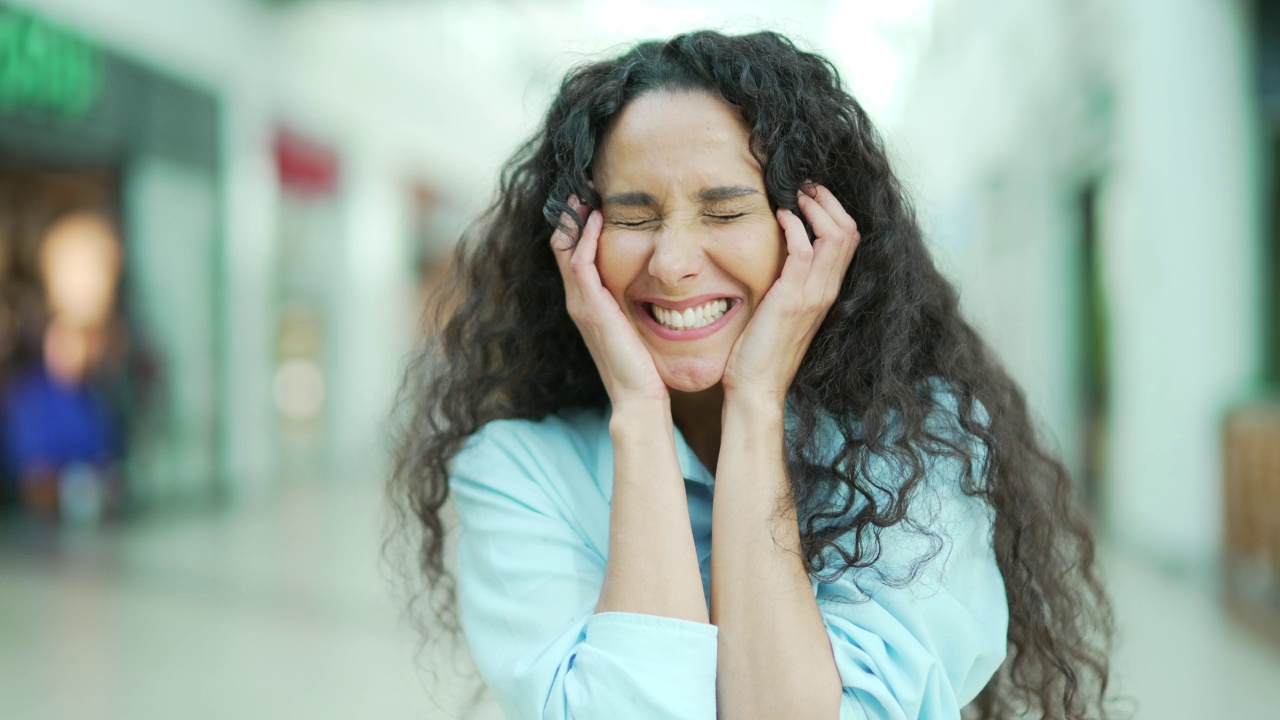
[
  {"x": 687, "y": 303},
  {"x": 735, "y": 304}
]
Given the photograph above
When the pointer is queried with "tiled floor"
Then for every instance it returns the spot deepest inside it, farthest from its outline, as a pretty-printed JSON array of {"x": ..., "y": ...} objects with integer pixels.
[
  {"x": 278, "y": 612},
  {"x": 283, "y": 612}
]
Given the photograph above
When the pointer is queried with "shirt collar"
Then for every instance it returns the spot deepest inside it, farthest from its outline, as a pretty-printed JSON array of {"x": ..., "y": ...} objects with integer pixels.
[{"x": 690, "y": 466}]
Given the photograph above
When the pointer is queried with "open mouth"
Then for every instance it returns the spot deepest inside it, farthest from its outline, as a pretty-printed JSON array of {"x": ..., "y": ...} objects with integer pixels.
[{"x": 690, "y": 318}]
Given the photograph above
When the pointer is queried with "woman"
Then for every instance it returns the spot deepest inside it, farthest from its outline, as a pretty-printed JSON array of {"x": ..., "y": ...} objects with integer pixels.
[{"x": 740, "y": 307}]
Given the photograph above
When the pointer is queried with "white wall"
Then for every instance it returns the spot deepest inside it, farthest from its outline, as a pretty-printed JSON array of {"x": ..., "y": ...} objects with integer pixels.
[
  {"x": 1181, "y": 243},
  {"x": 371, "y": 340},
  {"x": 172, "y": 216},
  {"x": 1008, "y": 114},
  {"x": 991, "y": 138}
]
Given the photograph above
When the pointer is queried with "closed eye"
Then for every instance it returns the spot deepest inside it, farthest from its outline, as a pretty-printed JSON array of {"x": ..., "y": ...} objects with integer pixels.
[
  {"x": 631, "y": 223},
  {"x": 735, "y": 216}
]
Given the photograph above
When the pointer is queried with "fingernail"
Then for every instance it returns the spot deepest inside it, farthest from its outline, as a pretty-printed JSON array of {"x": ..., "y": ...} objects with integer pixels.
[
  {"x": 573, "y": 201},
  {"x": 808, "y": 188}
]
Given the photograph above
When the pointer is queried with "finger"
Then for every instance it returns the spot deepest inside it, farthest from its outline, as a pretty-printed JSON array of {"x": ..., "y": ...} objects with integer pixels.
[
  {"x": 579, "y": 207},
  {"x": 834, "y": 256},
  {"x": 561, "y": 243},
  {"x": 799, "y": 249},
  {"x": 824, "y": 227},
  {"x": 584, "y": 256},
  {"x": 563, "y": 249},
  {"x": 566, "y": 229},
  {"x": 831, "y": 240},
  {"x": 841, "y": 217}
]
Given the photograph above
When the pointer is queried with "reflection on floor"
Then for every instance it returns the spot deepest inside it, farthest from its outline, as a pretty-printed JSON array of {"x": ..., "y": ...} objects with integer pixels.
[{"x": 283, "y": 612}]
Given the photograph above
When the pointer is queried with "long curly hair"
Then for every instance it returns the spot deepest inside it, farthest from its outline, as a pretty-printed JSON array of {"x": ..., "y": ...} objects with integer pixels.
[{"x": 501, "y": 345}]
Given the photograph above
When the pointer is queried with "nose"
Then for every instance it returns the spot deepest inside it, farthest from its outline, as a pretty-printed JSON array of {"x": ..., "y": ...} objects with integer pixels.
[{"x": 677, "y": 258}]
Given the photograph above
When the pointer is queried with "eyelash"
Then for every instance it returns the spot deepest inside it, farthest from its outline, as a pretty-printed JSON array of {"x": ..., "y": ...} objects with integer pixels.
[{"x": 722, "y": 218}]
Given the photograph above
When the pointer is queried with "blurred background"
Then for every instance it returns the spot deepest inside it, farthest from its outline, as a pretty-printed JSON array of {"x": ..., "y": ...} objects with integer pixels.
[{"x": 220, "y": 218}]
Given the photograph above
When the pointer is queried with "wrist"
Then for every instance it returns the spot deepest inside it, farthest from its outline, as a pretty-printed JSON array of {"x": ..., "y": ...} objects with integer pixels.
[
  {"x": 638, "y": 416},
  {"x": 643, "y": 399},
  {"x": 755, "y": 405}
]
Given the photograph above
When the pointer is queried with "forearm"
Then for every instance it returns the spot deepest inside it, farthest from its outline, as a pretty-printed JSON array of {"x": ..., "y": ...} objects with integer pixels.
[
  {"x": 775, "y": 657},
  {"x": 653, "y": 564}
]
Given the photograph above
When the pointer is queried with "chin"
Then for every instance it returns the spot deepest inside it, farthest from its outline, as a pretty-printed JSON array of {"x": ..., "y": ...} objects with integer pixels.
[{"x": 693, "y": 376}]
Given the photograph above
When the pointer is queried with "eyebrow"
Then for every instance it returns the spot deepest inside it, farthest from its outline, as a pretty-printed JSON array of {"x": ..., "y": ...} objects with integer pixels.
[
  {"x": 706, "y": 195},
  {"x": 725, "y": 192}
]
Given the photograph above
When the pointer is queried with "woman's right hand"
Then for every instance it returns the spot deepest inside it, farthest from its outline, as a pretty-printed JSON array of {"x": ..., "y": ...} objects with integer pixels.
[{"x": 625, "y": 365}]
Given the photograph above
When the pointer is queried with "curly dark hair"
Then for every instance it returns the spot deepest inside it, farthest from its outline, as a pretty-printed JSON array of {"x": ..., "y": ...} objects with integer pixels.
[{"x": 502, "y": 345}]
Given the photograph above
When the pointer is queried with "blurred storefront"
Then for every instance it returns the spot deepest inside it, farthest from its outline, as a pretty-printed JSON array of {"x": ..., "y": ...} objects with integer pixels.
[
  {"x": 277, "y": 216},
  {"x": 109, "y": 179}
]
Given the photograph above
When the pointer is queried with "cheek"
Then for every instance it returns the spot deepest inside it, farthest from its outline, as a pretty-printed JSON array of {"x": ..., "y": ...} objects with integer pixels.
[
  {"x": 618, "y": 264},
  {"x": 756, "y": 259},
  {"x": 776, "y": 255}
]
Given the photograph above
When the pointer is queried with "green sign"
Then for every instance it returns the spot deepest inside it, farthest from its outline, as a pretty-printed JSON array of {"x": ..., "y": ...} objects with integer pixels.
[{"x": 45, "y": 70}]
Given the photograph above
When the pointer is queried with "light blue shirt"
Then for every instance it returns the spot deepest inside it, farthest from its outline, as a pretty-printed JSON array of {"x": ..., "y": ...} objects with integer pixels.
[{"x": 533, "y": 499}]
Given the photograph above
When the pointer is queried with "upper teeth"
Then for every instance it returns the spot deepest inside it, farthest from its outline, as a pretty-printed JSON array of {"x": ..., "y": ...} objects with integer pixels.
[{"x": 691, "y": 317}]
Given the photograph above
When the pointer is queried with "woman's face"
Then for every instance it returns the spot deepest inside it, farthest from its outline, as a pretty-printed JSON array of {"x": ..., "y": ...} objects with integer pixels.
[{"x": 689, "y": 245}]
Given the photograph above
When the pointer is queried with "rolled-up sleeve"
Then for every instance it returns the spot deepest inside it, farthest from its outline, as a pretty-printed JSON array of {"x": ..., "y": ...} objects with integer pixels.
[
  {"x": 528, "y": 583},
  {"x": 921, "y": 644}
]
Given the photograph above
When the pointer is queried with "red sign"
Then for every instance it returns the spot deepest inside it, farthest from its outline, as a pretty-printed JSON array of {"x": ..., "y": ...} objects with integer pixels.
[{"x": 305, "y": 167}]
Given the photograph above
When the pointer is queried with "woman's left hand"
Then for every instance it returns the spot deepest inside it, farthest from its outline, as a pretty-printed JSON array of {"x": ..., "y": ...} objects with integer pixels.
[{"x": 766, "y": 356}]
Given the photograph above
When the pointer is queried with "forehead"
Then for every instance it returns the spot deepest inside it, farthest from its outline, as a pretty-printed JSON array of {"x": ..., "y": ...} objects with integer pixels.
[{"x": 681, "y": 138}]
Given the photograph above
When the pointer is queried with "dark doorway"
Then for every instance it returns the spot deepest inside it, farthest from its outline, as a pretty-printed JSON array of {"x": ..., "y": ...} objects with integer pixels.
[
  {"x": 67, "y": 354},
  {"x": 1267, "y": 25},
  {"x": 1271, "y": 260},
  {"x": 1095, "y": 376}
]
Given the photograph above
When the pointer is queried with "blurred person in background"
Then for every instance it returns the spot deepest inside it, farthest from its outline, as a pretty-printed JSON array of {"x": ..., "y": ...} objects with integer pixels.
[
  {"x": 61, "y": 439},
  {"x": 701, "y": 280}
]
